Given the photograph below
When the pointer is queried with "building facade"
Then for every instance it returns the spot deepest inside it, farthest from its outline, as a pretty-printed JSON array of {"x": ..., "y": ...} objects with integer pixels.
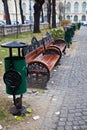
[
  {"x": 74, "y": 10},
  {"x": 27, "y": 6}
]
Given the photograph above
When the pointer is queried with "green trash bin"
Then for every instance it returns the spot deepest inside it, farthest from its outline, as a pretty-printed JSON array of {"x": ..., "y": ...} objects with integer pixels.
[
  {"x": 15, "y": 76},
  {"x": 78, "y": 25},
  {"x": 68, "y": 35},
  {"x": 72, "y": 30},
  {"x": 74, "y": 27},
  {"x": 19, "y": 65}
]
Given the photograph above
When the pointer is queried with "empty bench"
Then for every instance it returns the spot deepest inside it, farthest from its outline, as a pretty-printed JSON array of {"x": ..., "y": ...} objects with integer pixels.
[
  {"x": 59, "y": 43},
  {"x": 41, "y": 60}
]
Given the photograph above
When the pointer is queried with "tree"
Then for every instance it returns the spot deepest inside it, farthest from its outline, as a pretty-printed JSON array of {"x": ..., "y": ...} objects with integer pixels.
[
  {"x": 53, "y": 14},
  {"x": 60, "y": 11},
  {"x": 49, "y": 11},
  {"x": 42, "y": 20},
  {"x": 37, "y": 9},
  {"x": 21, "y": 11},
  {"x": 6, "y": 10}
]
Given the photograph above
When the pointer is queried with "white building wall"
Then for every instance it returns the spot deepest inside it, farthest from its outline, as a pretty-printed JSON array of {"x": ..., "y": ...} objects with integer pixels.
[
  {"x": 11, "y": 5},
  {"x": 79, "y": 13},
  {"x": 1, "y": 10}
]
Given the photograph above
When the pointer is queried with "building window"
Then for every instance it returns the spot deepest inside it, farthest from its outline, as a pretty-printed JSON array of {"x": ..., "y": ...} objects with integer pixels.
[
  {"x": 68, "y": 8},
  {"x": 68, "y": 17},
  {"x": 83, "y": 18},
  {"x": 84, "y": 7},
  {"x": 24, "y": 7},
  {"x": 75, "y": 18},
  {"x": 76, "y": 5}
]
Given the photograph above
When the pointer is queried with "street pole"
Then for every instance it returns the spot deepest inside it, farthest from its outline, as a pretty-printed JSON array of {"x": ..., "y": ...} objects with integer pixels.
[
  {"x": 64, "y": 8},
  {"x": 16, "y": 16},
  {"x": 30, "y": 11}
]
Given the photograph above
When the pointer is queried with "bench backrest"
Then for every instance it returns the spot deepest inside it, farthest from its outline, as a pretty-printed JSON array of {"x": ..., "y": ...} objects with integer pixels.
[
  {"x": 60, "y": 40},
  {"x": 33, "y": 51},
  {"x": 37, "y": 47}
]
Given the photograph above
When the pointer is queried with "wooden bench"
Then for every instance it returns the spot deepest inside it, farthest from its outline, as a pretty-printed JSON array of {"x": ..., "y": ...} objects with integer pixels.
[
  {"x": 41, "y": 60},
  {"x": 59, "y": 43},
  {"x": 31, "y": 52},
  {"x": 48, "y": 41},
  {"x": 45, "y": 64}
]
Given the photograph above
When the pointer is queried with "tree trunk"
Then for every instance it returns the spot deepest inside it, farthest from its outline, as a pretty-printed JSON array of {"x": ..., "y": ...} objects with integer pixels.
[
  {"x": 21, "y": 11},
  {"x": 53, "y": 14},
  {"x": 37, "y": 9},
  {"x": 60, "y": 11},
  {"x": 36, "y": 22},
  {"x": 42, "y": 16},
  {"x": 6, "y": 10},
  {"x": 49, "y": 12}
]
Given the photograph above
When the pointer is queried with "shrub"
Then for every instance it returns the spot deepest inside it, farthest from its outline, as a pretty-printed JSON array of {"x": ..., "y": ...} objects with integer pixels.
[
  {"x": 65, "y": 22},
  {"x": 58, "y": 33}
]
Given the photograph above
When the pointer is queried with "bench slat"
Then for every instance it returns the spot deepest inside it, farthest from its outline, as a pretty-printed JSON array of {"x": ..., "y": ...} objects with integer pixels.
[
  {"x": 60, "y": 43},
  {"x": 50, "y": 60},
  {"x": 61, "y": 46},
  {"x": 52, "y": 54},
  {"x": 34, "y": 54}
]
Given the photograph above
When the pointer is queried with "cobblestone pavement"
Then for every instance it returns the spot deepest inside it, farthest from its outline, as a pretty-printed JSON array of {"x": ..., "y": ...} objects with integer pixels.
[
  {"x": 68, "y": 106},
  {"x": 63, "y": 106}
]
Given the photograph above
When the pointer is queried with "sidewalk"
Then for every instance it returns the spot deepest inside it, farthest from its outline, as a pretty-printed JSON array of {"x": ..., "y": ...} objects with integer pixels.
[
  {"x": 63, "y": 106},
  {"x": 68, "y": 105}
]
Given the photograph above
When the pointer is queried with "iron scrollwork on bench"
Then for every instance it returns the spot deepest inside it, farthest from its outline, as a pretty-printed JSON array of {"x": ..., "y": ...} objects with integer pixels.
[{"x": 26, "y": 50}]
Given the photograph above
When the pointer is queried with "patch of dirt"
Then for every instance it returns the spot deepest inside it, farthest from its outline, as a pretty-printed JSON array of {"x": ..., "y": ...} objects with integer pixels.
[
  {"x": 33, "y": 99},
  {"x": 39, "y": 102}
]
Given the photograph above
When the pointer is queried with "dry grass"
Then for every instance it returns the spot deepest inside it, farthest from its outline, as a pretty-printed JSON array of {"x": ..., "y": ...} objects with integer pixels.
[{"x": 5, "y": 115}]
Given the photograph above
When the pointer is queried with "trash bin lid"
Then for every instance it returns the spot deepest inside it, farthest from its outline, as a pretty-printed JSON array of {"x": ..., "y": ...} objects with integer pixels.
[{"x": 14, "y": 44}]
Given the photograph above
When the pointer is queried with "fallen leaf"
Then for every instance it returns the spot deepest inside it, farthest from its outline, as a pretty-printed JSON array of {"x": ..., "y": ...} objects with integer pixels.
[
  {"x": 29, "y": 110},
  {"x": 19, "y": 118},
  {"x": 41, "y": 91},
  {"x": 27, "y": 115}
]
